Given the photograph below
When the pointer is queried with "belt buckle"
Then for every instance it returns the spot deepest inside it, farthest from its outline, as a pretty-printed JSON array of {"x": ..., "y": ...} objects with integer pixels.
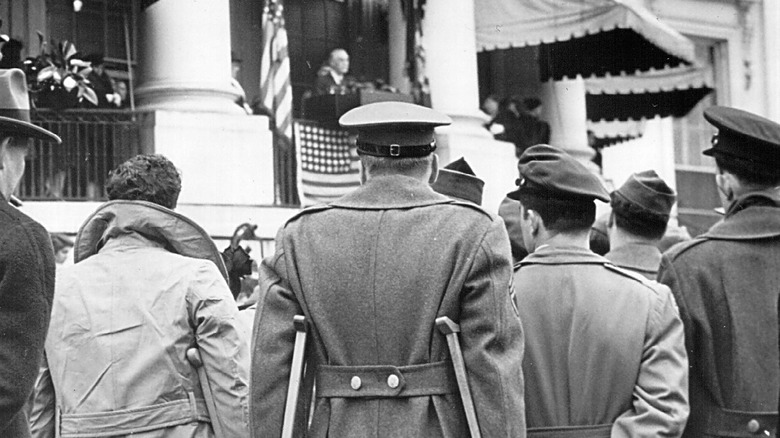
[{"x": 395, "y": 150}]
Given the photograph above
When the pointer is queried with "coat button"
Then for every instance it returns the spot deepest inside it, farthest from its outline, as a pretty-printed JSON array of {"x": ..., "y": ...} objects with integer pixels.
[
  {"x": 753, "y": 426},
  {"x": 392, "y": 381},
  {"x": 355, "y": 383}
]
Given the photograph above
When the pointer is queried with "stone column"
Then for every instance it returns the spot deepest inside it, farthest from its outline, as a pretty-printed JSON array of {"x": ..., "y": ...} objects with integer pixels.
[
  {"x": 564, "y": 109},
  {"x": 451, "y": 66},
  {"x": 184, "y": 61},
  {"x": 397, "y": 42},
  {"x": 771, "y": 14}
]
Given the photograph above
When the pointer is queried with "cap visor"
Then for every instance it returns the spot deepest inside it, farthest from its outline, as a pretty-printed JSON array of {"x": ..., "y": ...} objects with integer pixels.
[
  {"x": 514, "y": 195},
  {"x": 709, "y": 152},
  {"x": 19, "y": 128}
]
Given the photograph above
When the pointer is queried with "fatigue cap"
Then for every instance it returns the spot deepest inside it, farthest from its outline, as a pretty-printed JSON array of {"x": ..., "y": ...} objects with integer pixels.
[
  {"x": 644, "y": 192},
  {"x": 457, "y": 180},
  {"x": 548, "y": 171},
  {"x": 394, "y": 129},
  {"x": 752, "y": 139}
]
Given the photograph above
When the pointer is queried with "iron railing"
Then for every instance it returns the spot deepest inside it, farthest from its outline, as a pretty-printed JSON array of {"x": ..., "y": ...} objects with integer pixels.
[
  {"x": 93, "y": 143},
  {"x": 96, "y": 141}
]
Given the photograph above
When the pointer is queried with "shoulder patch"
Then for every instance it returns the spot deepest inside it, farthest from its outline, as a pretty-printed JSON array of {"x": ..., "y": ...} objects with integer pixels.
[
  {"x": 473, "y": 207},
  {"x": 308, "y": 210}
]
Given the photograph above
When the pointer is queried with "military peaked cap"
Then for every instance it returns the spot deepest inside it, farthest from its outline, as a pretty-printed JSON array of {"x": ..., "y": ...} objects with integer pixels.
[
  {"x": 745, "y": 136},
  {"x": 548, "y": 171},
  {"x": 394, "y": 129},
  {"x": 457, "y": 180},
  {"x": 647, "y": 192}
]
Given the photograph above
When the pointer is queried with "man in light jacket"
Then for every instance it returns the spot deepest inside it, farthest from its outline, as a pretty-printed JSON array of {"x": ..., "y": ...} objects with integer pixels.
[{"x": 147, "y": 285}]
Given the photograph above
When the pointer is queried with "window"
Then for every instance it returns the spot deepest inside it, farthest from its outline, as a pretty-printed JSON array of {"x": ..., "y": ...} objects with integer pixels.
[{"x": 98, "y": 28}]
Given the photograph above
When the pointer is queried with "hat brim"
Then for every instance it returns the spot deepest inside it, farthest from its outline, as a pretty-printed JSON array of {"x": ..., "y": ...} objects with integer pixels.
[
  {"x": 25, "y": 129},
  {"x": 709, "y": 152},
  {"x": 514, "y": 195}
]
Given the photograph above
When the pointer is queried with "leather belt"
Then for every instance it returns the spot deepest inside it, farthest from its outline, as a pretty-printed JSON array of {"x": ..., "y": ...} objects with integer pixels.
[
  {"x": 730, "y": 423},
  {"x": 595, "y": 431},
  {"x": 435, "y": 378}
]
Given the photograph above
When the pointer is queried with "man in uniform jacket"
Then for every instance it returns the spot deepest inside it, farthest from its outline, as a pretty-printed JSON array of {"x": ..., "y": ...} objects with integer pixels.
[
  {"x": 26, "y": 262},
  {"x": 371, "y": 272},
  {"x": 727, "y": 283},
  {"x": 637, "y": 223},
  {"x": 605, "y": 354},
  {"x": 148, "y": 285}
]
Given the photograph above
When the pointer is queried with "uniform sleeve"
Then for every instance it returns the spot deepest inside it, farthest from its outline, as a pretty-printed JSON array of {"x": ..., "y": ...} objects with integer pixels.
[
  {"x": 26, "y": 291},
  {"x": 661, "y": 392},
  {"x": 223, "y": 346},
  {"x": 492, "y": 338},
  {"x": 667, "y": 275},
  {"x": 272, "y": 346},
  {"x": 43, "y": 405}
]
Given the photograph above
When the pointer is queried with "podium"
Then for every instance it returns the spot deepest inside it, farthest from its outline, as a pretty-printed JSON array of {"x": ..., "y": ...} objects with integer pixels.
[{"x": 327, "y": 108}]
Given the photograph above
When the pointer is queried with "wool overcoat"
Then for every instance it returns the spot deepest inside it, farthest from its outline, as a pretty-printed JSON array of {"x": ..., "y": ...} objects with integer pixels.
[
  {"x": 605, "y": 355},
  {"x": 371, "y": 272},
  {"x": 727, "y": 283},
  {"x": 26, "y": 291},
  {"x": 148, "y": 285}
]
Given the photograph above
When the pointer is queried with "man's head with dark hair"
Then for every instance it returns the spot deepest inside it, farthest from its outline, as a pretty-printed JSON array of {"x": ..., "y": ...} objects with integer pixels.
[
  {"x": 151, "y": 178},
  {"x": 641, "y": 206},
  {"x": 744, "y": 169},
  {"x": 556, "y": 193},
  {"x": 561, "y": 215}
]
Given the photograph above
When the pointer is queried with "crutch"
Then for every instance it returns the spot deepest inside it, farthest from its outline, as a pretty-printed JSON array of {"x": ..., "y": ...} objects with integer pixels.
[
  {"x": 450, "y": 330},
  {"x": 296, "y": 372},
  {"x": 193, "y": 356}
]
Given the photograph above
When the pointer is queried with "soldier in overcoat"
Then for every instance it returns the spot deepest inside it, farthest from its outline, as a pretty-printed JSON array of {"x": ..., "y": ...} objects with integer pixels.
[
  {"x": 638, "y": 221},
  {"x": 605, "y": 354},
  {"x": 727, "y": 283},
  {"x": 371, "y": 272}
]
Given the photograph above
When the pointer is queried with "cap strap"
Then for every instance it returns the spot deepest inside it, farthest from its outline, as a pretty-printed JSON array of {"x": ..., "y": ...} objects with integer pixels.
[{"x": 395, "y": 151}]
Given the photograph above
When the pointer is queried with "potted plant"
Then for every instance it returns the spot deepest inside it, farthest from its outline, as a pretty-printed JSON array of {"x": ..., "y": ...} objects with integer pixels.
[{"x": 57, "y": 77}]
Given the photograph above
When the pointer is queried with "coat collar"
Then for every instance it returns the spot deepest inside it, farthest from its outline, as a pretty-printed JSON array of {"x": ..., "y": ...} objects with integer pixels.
[
  {"x": 140, "y": 220},
  {"x": 562, "y": 255},
  {"x": 754, "y": 215},
  {"x": 391, "y": 192},
  {"x": 636, "y": 256}
]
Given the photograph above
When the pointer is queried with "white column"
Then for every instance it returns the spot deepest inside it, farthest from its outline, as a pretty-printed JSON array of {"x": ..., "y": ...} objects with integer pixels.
[
  {"x": 185, "y": 57},
  {"x": 564, "y": 109},
  {"x": 451, "y": 66},
  {"x": 451, "y": 56},
  {"x": 771, "y": 46},
  {"x": 397, "y": 42}
]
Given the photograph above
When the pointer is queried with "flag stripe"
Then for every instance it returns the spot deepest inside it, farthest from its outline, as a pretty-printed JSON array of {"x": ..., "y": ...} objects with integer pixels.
[{"x": 328, "y": 164}]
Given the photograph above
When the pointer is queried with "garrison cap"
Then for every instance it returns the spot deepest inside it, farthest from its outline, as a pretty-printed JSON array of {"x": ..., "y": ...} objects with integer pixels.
[
  {"x": 646, "y": 192},
  {"x": 394, "y": 129},
  {"x": 457, "y": 180},
  {"x": 745, "y": 136},
  {"x": 549, "y": 171}
]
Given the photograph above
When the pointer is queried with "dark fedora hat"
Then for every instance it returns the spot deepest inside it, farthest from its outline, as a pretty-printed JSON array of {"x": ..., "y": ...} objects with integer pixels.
[{"x": 15, "y": 108}]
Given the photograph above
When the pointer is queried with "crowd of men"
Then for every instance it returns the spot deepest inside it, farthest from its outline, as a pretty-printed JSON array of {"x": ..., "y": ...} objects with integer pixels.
[{"x": 397, "y": 310}]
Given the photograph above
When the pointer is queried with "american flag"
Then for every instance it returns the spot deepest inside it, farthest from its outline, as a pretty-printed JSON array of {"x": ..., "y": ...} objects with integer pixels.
[
  {"x": 275, "y": 89},
  {"x": 328, "y": 164}
]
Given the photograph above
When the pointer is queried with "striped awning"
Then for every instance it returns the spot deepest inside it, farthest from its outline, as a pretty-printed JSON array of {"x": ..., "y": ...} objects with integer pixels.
[
  {"x": 582, "y": 37},
  {"x": 667, "y": 92},
  {"x": 608, "y": 133}
]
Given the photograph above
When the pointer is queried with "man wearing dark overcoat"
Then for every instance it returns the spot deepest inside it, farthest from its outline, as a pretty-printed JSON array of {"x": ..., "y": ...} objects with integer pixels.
[
  {"x": 727, "y": 283},
  {"x": 26, "y": 262},
  {"x": 638, "y": 221},
  {"x": 605, "y": 355},
  {"x": 371, "y": 272}
]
